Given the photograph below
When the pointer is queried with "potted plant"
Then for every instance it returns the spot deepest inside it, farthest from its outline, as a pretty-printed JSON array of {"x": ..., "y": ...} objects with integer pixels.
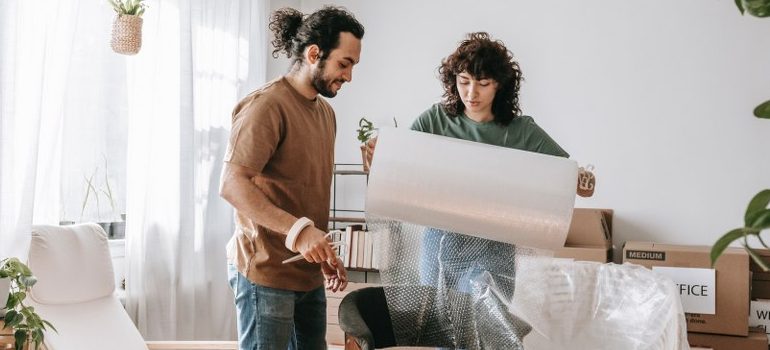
[
  {"x": 757, "y": 216},
  {"x": 127, "y": 27},
  {"x": 97, "y": 192},
  {"x": 365, "y": 132},
  {"x": 28, "y": 326},
  {"x": 756, "y": 219},
  {"x": 761, "y": 9}
]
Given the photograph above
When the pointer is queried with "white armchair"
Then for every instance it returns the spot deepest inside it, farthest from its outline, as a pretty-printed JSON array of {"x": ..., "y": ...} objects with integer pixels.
[{"x": 75, "y": 290}]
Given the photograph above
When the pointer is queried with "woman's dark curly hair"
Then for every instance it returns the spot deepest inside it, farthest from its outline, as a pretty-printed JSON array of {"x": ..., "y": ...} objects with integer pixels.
[
  {"x": 294, "y": 31},
  {"x": 483, "y": 58}
]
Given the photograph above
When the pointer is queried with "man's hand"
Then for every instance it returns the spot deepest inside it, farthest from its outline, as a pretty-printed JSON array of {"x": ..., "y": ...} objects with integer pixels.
[
  {"x": 335, "y": 275},
  {"x": 314, "y": 246}
]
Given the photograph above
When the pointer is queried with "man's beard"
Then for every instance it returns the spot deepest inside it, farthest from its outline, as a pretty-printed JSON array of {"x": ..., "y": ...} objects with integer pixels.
[{"x": 320, "y": 84}]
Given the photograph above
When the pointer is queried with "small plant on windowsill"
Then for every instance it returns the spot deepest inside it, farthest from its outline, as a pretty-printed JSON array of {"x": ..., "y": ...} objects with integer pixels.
[
  {"x": 28, "y": 326},
  {"x": 97, "y": 192}
]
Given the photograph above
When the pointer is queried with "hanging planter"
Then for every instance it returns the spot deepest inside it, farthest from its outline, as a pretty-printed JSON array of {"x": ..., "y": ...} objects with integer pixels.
[
  {"x": 126, "y": 34},
  {"x": 127, "y": 27}
]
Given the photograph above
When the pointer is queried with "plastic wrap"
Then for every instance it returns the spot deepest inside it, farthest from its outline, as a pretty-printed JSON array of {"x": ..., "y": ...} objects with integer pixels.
[
  {"x": 599, "y": 306},
  {"x": 449, "y": 290},
  {"x": 493, "y": 192},
  {"x": 458, "y": 229}
]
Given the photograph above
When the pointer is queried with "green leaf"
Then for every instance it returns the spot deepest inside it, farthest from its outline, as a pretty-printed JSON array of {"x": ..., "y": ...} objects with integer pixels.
[
  {"x": 114, "y": 5},
  {"x": 723, "y": 242},
  {"x": 20, "y": 296},
  {"x": 757, "y": 8},
  {"x": 10, "y": 318},
  {"x": 763, "y": 110},
  {"x": 739, "y": 3},
  {"x": 28, "y": 281},
  {"x": 23, "y": 269},
  {"x": 50, "y": 326},
  {"x": 37, "y": 335},
  {"x": 756, "y": 204},
  {"x": 21, "y": 337},
  {"x": 757, "y": 259},
  {"x": 11, "y": 303},
  {"x": 365, "y": 130},
  {"x": 759, "y": 237},
  {"x": 760, "y": 220}
]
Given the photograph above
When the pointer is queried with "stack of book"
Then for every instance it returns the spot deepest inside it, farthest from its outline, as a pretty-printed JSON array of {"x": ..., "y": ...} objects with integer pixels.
[{"x": 359, "y": 250}]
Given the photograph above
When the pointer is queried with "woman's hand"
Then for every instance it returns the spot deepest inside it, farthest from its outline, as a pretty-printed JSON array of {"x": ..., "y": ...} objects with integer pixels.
[
  {"x": 586, "y": 181},
  {"x": 369, "y": 147}
]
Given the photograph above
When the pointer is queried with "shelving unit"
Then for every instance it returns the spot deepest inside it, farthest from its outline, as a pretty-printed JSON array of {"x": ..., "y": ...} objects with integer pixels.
[
  {"x": 340, "y": 217},
  {"x": 334, "y": 215}
]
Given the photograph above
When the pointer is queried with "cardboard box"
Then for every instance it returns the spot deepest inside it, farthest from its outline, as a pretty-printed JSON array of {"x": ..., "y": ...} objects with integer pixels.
[
  {"x": 760, "y": 280},
  {"x": 589, "y": 237},
  {"x": 724, "y": 290},
  {"x": 760, "y": 285},
  {"x": 755, "y": 340},
  {"x": 760, "y": 315}
]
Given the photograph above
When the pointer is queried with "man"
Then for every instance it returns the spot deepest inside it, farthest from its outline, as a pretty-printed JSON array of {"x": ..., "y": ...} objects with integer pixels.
[{"x": 277, "y": 176}]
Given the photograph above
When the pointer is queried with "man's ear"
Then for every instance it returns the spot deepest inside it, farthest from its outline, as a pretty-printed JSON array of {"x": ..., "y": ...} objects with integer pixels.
[{"x": 313, "y": 54}]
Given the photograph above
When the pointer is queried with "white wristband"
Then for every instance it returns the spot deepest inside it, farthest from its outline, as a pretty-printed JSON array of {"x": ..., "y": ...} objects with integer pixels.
[{"x": 291, "y": 236}]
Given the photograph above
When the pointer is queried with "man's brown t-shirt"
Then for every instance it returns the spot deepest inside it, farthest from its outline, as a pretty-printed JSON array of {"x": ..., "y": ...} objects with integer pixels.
[{"x": 290, "y": 141}]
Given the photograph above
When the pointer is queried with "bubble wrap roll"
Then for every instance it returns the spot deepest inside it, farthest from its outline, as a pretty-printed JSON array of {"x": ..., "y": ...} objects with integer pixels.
[{"x": 492, "y": 192}]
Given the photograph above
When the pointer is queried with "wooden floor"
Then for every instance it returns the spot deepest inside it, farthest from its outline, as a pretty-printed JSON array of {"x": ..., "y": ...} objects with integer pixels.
[{"x": 225, "y": 345}]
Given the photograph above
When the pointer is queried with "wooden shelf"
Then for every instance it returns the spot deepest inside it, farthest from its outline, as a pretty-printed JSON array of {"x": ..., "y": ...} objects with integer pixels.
[
  {"x": 350, "y": 172},
  {"x": 347, "y": 219},
  {"x": 361, "y": 269}
]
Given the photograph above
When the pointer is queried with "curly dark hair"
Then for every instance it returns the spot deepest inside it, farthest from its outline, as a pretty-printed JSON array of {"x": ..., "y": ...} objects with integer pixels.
[
  {"x": 294, "y": 31},
  {"x": 483, "y": 58}
]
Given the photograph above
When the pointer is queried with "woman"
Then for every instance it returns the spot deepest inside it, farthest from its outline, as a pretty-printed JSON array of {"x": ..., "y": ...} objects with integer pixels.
[{"x": 481, "y": 82}]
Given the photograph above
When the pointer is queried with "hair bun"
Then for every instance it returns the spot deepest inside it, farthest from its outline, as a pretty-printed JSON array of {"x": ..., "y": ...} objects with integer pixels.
[{"x": 284, "y": 23}]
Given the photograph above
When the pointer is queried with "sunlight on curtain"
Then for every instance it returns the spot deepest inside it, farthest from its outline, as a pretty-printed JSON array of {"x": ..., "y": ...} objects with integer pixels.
[
  {"x": 54, "y": 111},
  {"x": 63, "y": 117},
  {"x": 198, "y": 59}
]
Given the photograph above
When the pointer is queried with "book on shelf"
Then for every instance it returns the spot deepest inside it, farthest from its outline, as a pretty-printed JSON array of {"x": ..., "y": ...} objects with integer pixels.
[{"x": 359, "y": 250}]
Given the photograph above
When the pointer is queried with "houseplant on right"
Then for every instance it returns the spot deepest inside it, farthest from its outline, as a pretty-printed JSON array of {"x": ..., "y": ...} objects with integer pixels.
[
  {"x": 757, "y": 216},
  {"x": 27, "y": 324},
  {"x": 756, "y": 219},
  {"x": 127, "y": 27},
  {"x": 761, "y": 9}
]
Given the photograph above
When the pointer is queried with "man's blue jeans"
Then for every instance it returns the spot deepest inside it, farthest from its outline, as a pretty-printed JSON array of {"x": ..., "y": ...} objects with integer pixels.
[{"x": 277, "y": 319}]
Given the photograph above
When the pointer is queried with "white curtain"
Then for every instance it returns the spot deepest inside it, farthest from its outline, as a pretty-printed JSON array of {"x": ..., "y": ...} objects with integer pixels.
[
  {"x": 60, "y": 115},
  {"x": 198, "y": 59}
]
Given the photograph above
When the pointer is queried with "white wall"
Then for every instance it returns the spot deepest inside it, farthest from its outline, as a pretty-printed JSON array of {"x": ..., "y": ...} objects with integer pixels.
[{"x": 656, "y": 94}]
